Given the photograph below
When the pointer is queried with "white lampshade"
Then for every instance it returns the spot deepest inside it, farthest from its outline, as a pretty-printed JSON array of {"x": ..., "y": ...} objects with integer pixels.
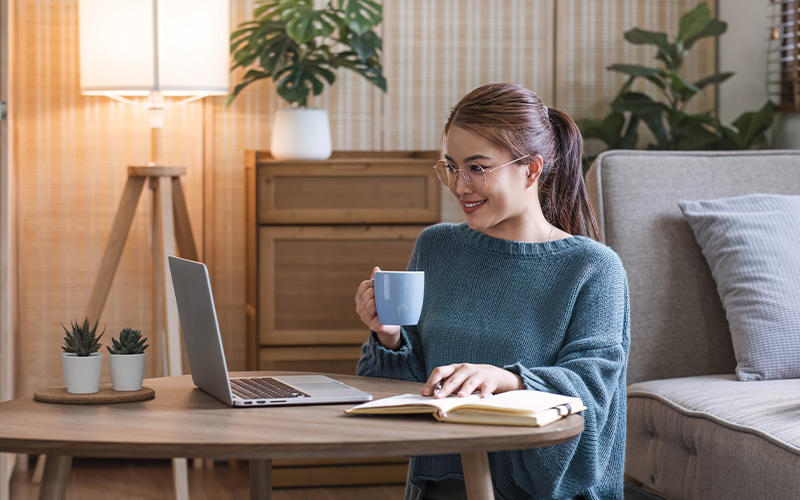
[{"x": 133, "y": 47}]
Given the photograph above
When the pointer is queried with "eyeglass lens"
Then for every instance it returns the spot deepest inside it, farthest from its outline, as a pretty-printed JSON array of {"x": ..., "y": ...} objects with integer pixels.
[{"x": 474, "y": 174}]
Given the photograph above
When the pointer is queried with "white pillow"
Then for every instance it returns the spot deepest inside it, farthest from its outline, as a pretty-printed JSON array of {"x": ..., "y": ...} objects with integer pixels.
[{"x": 752, "y": 245}]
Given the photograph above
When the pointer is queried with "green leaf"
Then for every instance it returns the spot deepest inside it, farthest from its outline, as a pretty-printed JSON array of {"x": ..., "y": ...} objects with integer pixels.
[
  {"x": 635, "y": 70},
  {"x": 365, "y": 46},
  {"x": 655, "y": 123},
  {"x": 278, "y": 52},
  {"x": 636, "y": 103},
  {"x": 682, "y": 87},
  {"x": 643, "y": 37},
  {"x": 631, "y": 134},
  {"x": 657, "y": 81},
  {"x": 712, "y": 80},
  {"x": 714, "y": 28},
  {"x": 361, "y": 15},
  {"x": 300, "y": 79},
  {"x": 371, "y": 70},
  {"x": 639, "y": 37},
  {"x": 608, "y": 130},
  {"x": 697, "y": 137},
  {"x": 753, "y": 124},
  {"x": 694, "y": 22},
  {"x": 304, "y": 24}
]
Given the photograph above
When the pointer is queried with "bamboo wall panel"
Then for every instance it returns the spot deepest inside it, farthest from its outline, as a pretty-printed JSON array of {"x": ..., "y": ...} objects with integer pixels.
[
  {"x": 72, "y": 157},
  {"x": 73, "y": 150},
  {"x": 440, "y": 50}
]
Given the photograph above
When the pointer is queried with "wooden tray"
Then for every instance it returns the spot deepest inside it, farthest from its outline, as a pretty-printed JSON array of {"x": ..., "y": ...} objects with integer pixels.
[{"x": 104, "y": 396}]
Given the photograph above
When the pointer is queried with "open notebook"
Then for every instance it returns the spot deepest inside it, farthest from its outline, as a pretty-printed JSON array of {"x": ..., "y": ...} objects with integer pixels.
[{"x": 524, "y": 407}]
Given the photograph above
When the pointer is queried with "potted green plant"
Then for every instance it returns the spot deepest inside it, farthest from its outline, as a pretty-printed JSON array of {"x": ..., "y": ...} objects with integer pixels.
[
  {"x": 300, "y": 48},
  {"x": 80, "y": 360},
  {"x": 672, "y": 126},
  {"x": 126, "y": 360}
]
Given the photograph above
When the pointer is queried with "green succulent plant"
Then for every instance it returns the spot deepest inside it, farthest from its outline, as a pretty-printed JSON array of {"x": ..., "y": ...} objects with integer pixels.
[
  {"x": 82, "y": 340},
  {"x": 130, "y": 342}
]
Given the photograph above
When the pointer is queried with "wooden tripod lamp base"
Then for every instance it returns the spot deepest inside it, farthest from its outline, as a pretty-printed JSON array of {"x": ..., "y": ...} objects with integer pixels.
[{"x": 170, "y": 226}]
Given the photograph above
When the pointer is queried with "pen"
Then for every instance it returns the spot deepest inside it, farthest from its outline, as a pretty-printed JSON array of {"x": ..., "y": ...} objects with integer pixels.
[{"x": 437, "y": 388}]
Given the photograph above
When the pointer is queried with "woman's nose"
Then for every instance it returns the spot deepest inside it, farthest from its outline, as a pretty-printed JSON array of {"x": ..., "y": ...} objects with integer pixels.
[{"x": 461, "y": 184}]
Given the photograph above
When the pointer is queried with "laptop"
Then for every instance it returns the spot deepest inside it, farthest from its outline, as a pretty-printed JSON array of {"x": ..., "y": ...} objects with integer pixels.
[{"x": 207, "y": 359}]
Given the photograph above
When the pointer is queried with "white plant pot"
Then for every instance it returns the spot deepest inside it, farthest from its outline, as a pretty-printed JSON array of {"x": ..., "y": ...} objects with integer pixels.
[
  {"x": 82, "y": 373},
  {"x": 301, "y": 134},
  {"x": 127, "y": 371}
]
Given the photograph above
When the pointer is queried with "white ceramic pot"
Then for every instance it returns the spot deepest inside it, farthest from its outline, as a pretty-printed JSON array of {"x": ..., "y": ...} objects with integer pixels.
[
  {"x": 82, "y": 373},
  {"x": 127, "y": 371},
  {"x": 301, "y": 134}
]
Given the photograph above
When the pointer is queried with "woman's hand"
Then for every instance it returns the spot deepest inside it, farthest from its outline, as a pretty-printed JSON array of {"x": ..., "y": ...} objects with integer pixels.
[
  {"x": 389, "y": 336},
  {"x": 465, "y": 378}
]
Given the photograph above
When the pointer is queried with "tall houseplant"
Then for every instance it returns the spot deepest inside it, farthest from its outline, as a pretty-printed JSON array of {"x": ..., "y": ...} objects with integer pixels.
[
  {"x": 667, "y": 118},
  {"x": 300, "y": 48}
]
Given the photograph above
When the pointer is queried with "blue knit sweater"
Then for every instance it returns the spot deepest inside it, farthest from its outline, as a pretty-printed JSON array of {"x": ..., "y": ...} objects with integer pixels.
[{"x": 555, "y": 313}]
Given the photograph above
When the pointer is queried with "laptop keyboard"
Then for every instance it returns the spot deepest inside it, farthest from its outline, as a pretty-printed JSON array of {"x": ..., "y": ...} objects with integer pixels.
[{"x": 264, "y": 388}]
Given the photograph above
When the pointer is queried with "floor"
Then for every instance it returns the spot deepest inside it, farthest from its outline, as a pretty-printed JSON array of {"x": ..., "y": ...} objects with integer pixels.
[
  {"x": 152, "y": 480},
  {"x": 109, "y": 479}
]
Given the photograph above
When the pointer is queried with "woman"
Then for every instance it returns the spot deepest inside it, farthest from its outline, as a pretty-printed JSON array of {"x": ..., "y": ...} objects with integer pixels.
[{"x": 521, "y": 296}]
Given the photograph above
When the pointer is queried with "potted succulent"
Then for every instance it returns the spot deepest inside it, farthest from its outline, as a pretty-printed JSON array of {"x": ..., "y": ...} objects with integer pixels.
[
  {"x": 300, "y": 48},
  {"x": 80, "y": 360},
  {"x": 126, "y": 360}
]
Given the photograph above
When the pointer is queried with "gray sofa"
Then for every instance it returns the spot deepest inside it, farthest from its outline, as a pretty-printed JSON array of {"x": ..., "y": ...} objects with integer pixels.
[{"x": 694, "y": 431}]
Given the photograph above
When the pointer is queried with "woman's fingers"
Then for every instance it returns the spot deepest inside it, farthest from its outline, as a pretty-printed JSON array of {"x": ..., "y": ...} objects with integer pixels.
[
  {"x": 463, "y": 379},
  {"x": 437, "y": 375},
  {"x": 488, "y": 388}
]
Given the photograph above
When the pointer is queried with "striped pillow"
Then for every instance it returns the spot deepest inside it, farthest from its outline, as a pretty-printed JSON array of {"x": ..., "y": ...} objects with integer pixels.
[{"x": 752, "y": 245}]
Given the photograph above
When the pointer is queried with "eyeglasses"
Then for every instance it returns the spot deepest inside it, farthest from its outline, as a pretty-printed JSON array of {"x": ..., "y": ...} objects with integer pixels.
[{"x": 474, "y": 174}]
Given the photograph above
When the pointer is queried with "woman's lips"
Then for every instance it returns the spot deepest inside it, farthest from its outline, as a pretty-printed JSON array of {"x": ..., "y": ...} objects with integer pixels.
[{"x": 470, "y": 206}]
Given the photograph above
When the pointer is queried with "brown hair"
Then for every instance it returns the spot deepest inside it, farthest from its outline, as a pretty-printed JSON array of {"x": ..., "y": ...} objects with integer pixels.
[{"x": 513, "y": 118}]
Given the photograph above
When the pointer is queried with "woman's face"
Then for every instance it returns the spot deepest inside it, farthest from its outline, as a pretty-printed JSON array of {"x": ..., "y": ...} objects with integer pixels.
[{"x": 503, "y": 206}]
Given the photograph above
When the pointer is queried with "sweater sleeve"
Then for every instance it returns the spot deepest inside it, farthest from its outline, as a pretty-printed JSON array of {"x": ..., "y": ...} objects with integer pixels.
[
  {"x": 404, "y": 363},
  {"x": 590, "y": 365}
]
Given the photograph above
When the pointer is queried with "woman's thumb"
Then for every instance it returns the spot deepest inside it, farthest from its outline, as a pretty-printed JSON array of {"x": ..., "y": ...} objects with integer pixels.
[{"x": 374, "y": 270}]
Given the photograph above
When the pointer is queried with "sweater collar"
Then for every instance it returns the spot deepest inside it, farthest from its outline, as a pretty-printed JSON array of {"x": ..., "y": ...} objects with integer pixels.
[{"x": 517, "y": 248}]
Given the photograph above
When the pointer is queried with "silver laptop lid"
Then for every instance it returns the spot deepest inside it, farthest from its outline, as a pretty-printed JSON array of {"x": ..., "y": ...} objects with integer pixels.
[{"x": 200, "y": 327}]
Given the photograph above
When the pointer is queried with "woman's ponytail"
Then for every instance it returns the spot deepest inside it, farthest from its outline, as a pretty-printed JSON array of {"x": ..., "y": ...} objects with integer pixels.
[{"x": 562, "y": 191}]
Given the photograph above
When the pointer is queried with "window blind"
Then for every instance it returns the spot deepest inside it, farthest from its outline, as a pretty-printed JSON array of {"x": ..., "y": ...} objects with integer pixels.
[{"x": 783, "y": 73}]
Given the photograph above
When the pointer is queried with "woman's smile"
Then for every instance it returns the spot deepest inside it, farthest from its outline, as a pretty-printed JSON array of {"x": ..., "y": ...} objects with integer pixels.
[{"x": 470, "y": 206}]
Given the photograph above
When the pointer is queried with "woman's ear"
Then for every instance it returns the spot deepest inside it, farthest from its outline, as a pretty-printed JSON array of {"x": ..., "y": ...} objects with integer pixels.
[{"x": 535, "y": 169}]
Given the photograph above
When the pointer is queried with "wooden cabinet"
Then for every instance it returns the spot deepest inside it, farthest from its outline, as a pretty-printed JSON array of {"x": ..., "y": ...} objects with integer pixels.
[{"x": 314, "y": 232}]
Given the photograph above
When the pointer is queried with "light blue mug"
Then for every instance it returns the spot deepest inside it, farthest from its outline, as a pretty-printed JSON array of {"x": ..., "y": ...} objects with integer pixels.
[{"x": 398, "y": 296}]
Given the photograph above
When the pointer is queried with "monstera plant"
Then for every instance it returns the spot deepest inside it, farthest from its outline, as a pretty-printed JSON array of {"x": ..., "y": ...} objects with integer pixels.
[
  {"x": 666, "y": 116},
  {"x": 300, "y": 48}
]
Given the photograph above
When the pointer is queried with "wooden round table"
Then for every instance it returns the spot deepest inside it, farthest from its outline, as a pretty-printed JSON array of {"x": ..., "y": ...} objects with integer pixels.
[{"x": 183, "y": 421}]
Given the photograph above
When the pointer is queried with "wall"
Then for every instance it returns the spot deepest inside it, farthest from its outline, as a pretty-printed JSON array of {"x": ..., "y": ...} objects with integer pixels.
[
  {"x": 73, "y": 149},
  {"x": 743, "y": 50},
  {"x": 8, "y": 295}
]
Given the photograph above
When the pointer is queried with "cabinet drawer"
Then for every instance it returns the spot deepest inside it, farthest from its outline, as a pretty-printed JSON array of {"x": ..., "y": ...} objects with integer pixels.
[
  {"x": 323, "y": 359},
  {"x": 348, "y": 192},
  {"x": 308, "y": 277}
]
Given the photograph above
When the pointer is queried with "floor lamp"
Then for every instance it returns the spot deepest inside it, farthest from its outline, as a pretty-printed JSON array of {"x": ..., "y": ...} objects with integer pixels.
[{"x": 156, "y": 49}]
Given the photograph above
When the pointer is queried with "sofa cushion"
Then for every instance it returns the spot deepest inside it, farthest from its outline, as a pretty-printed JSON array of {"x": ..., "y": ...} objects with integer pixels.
[
  {"x": 714, "y": 437},
  {"x": 678, "y": 324},
  {"x": 751, "y": 244}
]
